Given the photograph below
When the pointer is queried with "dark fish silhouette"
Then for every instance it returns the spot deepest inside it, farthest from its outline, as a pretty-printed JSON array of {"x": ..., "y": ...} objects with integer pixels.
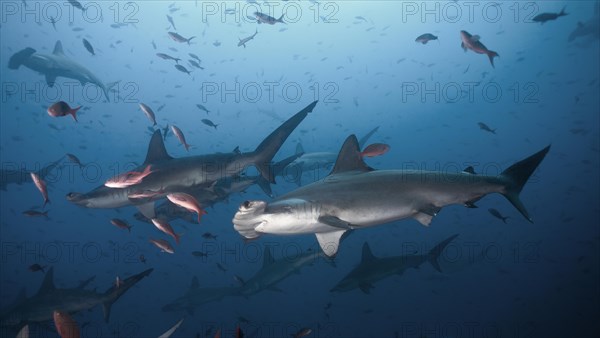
[
  {"x": 425, "y": 38},
  {"x": 209, "y": 123},
  {"x": 183, "y": 69},
  {"x": 542, "y": 18},
  {"x": 497, "y": 214},
  {"x": 88, "y": 46},
  {"x": 485, "y": 127}
]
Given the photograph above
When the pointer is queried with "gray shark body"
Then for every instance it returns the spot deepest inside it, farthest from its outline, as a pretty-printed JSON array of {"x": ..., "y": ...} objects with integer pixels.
[
  {"x": 316, "y": 161},
  {"x": 274, "y": 271},
  {"x": 590, "y": 28},
  {"x": 197, "y": 296},
  {"x": 354, "y": 196},
  {"x": 188, "y": 174},
  {"x": 373, "y": 269},
  {"x": 39, "y": 308},
  {"x": 55, "y": 65},
  {"x": 20, "y": 176}
]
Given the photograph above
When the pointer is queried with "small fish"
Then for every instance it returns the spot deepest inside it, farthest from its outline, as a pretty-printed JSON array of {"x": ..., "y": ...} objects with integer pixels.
[
  {"x": 182, "y": 69},
  {"x": 264, "y": 18},
  {"x": 179, "y": 134},
  {"x": 163, "y": 245},
  {"x": 543, "y": 17},
  {"x": 221, "y": 267},
  {"x": 209, "y": 123},
  {"x": 36, "y": 267},
  {"x": 199, "y": 254},
  {"x": 62, "y": 108},
  {"x": 153, "y": 45},
  {"x": 188, "y": 202},
  {"x": 201, "y": 107},
  {"x": 128, "y": 179},
  {"x": 485, "y": 127},
  {"x": 53, "y": 21},
  {"x": 178, "y": 38},
  {"x": 208, "y": 235},
  {"x": 245, "y": 40},
  {"x": 195, "y": 64},
  {"x": 217, "y": 43},
  {"x": 166, "y": 228},
  {"x": 472, "y": 42},
  {"x": 167, "y": 57},
  {"x": 170, "y": 19},
  {"x": 375, "y": 149},
  {"x": 76, "y": 4},
  {"x": 88, "y": 46},
  {"x": 229, "y": 11},
  {"x": 41, "y": 185},
  {"x": 74, "y": 159},
  {"x": 303, "y": 332},
  {"x": 65, "y": 325},
  {"x": 35, "y": 213},
  {"x": 498, "y": 215},
  {"x": 149, "y": 113},
  {"x": 194, "y": 56},
  {"x": 425, "y": 38},
  {"x": 144, "y": 194},
  {"x": 121, "y": 224}
]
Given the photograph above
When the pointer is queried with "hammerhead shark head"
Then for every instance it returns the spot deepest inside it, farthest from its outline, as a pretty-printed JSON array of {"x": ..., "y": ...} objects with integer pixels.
[
  {"x": 39, "y": 308},
  {"x": 55, "y": 65},
  {"x": 372, "y": 269},
  {"x": 355, "y": 196},
  {"x": 189, "y": 173}
]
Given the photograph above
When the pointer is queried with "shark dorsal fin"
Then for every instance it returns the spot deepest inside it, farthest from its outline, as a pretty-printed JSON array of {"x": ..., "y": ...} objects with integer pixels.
[
  {"x": 299, "y": 149},
  {"x": 48, "y": 283},
  {"x": 58, "y": 48},
  {"x": 469, "y": 170},
  {"x": 195, "y": 283},
  {"x": 156, "y": 149},
  {"x": 367, "y": 255},
  {"x": 349, "y": 158},
  {"x": 268, "y": 257}
]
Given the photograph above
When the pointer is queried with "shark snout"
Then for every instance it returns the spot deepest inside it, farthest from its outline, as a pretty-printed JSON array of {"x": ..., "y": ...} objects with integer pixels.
[
  {"x": 249, "y": 217},
  {"x": 77, "y": 198}
]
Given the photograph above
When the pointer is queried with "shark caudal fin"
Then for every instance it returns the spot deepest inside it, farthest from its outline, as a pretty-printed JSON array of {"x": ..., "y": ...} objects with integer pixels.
[
  {"x": 19, "y": 58},
  {"x": 117, "y": 291},
  {"x": 265, "y": 151},
  {"x": 437, "y": 250},
  {"x": 517, "y": 175}
]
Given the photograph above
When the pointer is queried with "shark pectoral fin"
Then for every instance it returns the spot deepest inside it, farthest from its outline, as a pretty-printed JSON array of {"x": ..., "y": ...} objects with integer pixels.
[
  {"x": 335, "y": 222},
  {"x": 329, "y": 241},
  {"x": 423, "y": 218},
  {"x": 24, "y": 333},
  {"x": 365, "y": 287},
  {"x": 50, "y": 80},
  {"x": 147, "y": 209},
  {"x": 106, "y": 310}
]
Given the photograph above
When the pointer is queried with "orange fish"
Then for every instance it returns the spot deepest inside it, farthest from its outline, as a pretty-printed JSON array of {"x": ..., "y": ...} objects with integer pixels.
[
  {"x": 179, "y": 134},
  {"x": 65, "y": 325},
  {"x": 121, "y": 224},
  {"x": 163, "y": 245},
  {"x": 41, "y": 185},
  {"x": 166, "y": 228},
  {"x": 128, "y": 179},
  {"x": 188, "y": 202},
  {"x": 62, "y": 109},
  {"x": 375, "y": 149}
]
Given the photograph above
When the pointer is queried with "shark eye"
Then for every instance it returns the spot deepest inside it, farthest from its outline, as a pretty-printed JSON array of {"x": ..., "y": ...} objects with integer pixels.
[{"x": 246, "y": 204}]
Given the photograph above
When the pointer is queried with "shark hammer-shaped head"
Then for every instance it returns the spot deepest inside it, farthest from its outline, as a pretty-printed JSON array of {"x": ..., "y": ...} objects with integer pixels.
[{"x": 248, "y": 217}]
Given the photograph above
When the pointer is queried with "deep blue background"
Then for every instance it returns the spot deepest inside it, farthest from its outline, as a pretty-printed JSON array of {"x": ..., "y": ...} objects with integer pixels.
[{"x": 364, "y": 66}]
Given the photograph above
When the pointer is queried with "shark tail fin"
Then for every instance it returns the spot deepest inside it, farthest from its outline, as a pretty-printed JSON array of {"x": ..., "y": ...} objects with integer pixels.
[
  {"x": 437, "y": 250},
  {"x": 491, "y": 55},
  {"x": 18, "y": 58},
  {"x": 190, "y": 39},
  {"x": 281, "y": 18},
  {"x": 265, "y": 151},
  {"x": 116, "y": 291},
  {"x": 517, "y": 175}
]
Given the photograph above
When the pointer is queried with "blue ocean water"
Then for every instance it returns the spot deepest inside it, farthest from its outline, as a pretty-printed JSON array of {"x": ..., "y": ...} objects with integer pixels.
[{"x": 360, "y": 60}]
